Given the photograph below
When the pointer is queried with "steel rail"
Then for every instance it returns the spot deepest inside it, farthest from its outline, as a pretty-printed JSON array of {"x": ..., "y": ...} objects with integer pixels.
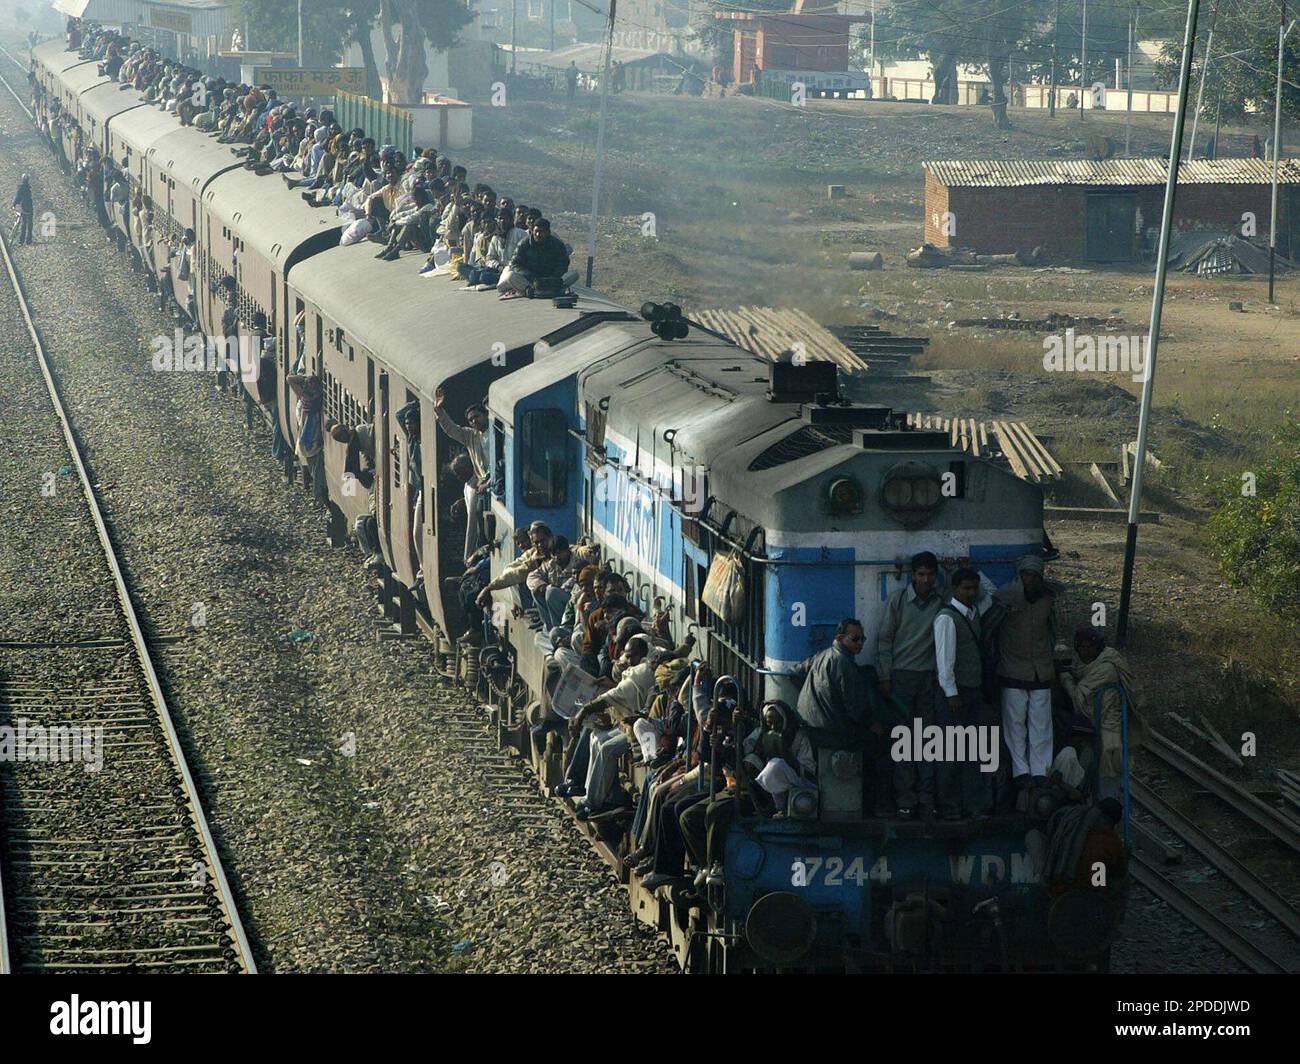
[
  {"x": 138, "y": 640},
  {"x": 21, "y": 103},
  {"x": 1147, "y": 875},
  {"x": 1242, "y": 801},
  {"x": 1242, "y": 877}
]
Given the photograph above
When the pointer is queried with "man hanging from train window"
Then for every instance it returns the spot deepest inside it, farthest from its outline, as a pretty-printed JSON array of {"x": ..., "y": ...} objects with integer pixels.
[
  {"x": 905, "y": 662},
  {"x": 463, "y": 470},
  {"x": 1026, "y": 620},
  {"x": 959, "y": 649},
  {"x": 540, "y": 264},
  {"x": 229, "y": 355},
  {"x": 1104, "y": 676},
  {"x": 841, "y": 709},
  {"x": 473, "y": 436}
]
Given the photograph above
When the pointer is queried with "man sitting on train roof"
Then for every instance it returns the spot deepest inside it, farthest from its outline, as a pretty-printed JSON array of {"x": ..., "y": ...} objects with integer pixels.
[{"x": 540, "y": 264}]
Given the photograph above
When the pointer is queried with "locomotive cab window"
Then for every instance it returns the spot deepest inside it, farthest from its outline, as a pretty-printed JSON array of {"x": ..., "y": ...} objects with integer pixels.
[{"x": 543, "y": 448}]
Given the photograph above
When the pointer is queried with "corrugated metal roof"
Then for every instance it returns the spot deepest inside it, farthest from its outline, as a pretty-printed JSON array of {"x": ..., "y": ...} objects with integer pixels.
[{"x": 1017, "y": 173}]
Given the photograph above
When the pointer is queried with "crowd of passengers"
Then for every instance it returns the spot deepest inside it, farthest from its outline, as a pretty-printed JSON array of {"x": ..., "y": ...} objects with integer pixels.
[
  {"x": 424, "y": 204},
  {"x": 709, "y": 756}
]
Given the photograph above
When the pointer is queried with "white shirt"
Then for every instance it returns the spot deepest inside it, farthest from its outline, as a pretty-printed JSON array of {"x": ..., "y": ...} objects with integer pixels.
[{"x": 945, "y": 646}]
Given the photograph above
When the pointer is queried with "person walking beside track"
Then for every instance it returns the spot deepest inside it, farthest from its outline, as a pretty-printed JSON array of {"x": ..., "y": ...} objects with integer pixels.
[{"x": 23, "y": 205}]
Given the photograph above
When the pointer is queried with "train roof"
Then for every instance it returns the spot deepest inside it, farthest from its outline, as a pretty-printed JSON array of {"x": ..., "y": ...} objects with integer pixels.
[
  {"x": 191, "y": 157},
  {"x": 106, "y": 101},
  {"x": 271, "y": 220},
  {"x": 384, "y": 307},
  {"x": 142, "y": 127},
  {"x": 54, "y": 55},
  {"x": 78, "y": 79},
  {"x": 711, "y": 394}
]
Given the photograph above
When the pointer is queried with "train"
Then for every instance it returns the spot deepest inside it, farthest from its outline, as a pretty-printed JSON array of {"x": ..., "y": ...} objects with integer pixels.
[{"x": 669, "y": 451}]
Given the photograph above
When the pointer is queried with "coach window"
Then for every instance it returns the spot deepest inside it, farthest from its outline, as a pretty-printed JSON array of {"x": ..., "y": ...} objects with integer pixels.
[{"x": 543, "y": 448}]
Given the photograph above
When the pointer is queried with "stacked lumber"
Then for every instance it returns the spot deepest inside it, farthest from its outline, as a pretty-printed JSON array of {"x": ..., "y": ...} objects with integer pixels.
[{"x": 1013, "y": 441}]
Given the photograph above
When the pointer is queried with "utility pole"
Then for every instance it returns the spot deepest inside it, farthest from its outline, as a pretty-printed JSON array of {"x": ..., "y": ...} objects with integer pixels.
[
  {"x": 1277, "y": 146},
  {"x": 1153, "y": 336},
  {"x": 1128, "y": 106},
  {"x": 872, "y": 68},
  {"x": 1051, "y": 95},
  {"x": 1218, "y": 114},
  {"x": 1205, "y": 70},
  {"x": 552, "y": 7},
  {"x": 300, "y": 33},
  {"x": 600, "y": 146},
  {"x": 1083, "y": 61}
]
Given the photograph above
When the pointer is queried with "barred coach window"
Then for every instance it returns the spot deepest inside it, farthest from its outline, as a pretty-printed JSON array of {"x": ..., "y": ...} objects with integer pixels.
[{"x": 544, "y": 447}]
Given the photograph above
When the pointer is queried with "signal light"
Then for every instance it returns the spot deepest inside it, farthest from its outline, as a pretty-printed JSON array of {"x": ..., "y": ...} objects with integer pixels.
[
  {"x": 843, "y": 496},
  {"x": 666, "y": 320}
]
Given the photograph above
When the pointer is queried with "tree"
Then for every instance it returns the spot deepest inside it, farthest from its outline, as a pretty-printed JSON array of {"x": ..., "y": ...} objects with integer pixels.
[
  {"x": 982, "y": 33},
  {"x": 437, "y": 22},
  {"x": 1243, "y": 68},
  {"x": 329, "y": 29}
]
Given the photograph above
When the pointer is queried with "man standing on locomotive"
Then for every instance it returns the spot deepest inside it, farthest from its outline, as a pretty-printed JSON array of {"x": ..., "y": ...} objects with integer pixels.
[
  {"x": 1027, "y": 628},
  {"x": 959, "y": 659},
  {"x": 906, "y": 663},
  {"x": 841, "y": 710}
]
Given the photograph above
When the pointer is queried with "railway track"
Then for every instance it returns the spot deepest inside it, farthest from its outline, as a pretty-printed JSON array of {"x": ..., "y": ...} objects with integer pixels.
[
  {"x": 1147, "y": 875},
  {"x": 1242, "y": 803},
  {"x": 107, "y": 863},
  {"x": 1237, "y": 798}
]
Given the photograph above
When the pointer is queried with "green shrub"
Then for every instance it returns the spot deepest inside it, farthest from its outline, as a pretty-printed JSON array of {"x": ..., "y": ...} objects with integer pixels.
[{"x": 1257, "y": 538}]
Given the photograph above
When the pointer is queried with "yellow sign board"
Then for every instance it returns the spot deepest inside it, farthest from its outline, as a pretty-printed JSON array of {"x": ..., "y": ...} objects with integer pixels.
[
  {"x": 327, "y": 81},
  {"x": 175, "y": 21}
]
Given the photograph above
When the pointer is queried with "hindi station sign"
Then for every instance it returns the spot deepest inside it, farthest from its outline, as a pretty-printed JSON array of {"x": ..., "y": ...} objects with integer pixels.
[
  {"x": 174, "y": 21},
  {"x": 327, "y": 81}
]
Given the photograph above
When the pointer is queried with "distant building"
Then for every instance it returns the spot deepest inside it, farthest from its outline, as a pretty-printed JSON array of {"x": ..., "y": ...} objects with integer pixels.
[
  {"x": 186, "y": 22},
  {"x": 1100, "y": 211},
  {"x": 813, "y": 36}
]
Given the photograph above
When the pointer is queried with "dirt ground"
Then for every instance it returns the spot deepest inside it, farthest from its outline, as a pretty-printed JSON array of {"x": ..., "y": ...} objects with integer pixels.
[{"x": 723, "y": 202}]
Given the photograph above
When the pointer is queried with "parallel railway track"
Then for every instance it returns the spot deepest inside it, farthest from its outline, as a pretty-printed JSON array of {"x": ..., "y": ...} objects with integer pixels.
[{"x": 114, "y": 868}]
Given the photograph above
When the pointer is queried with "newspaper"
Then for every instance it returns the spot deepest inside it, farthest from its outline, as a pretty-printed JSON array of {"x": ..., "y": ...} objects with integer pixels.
[{"x": 574, "y": 689}]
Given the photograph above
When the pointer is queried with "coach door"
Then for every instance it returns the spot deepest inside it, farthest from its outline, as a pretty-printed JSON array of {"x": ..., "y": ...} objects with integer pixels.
[{"x": 1111, "y": 226}]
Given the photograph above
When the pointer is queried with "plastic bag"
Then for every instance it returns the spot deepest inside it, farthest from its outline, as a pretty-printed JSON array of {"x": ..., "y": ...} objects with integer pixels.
[
  {"x": 724, "y": 590},
  {"x": 356, "y": 232}
]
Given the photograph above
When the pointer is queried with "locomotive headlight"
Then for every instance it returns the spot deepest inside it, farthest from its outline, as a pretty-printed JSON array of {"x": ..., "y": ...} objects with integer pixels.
[
  {"x": 911, "y": 492},
  {"x": 844, "y": 496}
]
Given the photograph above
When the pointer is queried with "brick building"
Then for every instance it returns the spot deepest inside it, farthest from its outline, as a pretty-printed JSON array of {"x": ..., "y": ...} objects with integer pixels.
[
  {"x": 811, "y": 37},
  {"x": 1100, "y": 211}
]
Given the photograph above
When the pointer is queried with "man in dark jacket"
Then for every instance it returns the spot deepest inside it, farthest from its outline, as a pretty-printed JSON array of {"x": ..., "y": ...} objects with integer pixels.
[
  {"x": 540, "y": 257},
  {"x": 23, "y": 203},
  {"x": 841, "y": 707}
]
